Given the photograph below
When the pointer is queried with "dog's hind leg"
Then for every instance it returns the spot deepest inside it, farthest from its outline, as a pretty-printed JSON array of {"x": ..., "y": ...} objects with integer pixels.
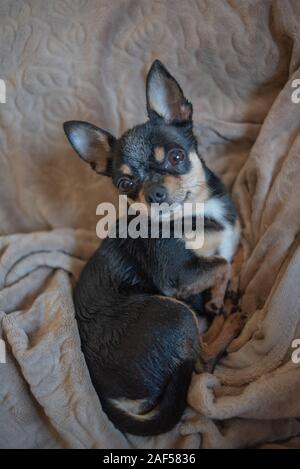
[{"x": 215, "y": 341}]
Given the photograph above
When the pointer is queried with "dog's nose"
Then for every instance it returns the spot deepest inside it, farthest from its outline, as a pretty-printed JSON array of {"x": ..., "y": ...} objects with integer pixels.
[{"x": 156, "y": 194}]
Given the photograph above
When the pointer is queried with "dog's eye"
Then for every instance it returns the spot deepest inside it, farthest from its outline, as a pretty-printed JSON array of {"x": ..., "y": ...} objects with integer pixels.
[
  {"x": 125, "y": 184},
  {"x": 176, "y": 156}
]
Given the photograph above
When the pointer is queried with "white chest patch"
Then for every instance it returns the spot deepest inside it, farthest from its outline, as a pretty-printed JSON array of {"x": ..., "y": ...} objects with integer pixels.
[
  {"x": 210, "y": 243},
  {"x": 214, "y": 208}
]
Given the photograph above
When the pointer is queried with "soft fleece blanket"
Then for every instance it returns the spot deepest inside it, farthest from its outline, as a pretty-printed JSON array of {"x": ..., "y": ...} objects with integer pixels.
[{"x": 87, "y": 59}]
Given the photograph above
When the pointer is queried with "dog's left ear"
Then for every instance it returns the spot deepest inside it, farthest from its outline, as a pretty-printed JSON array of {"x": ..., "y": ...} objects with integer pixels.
[
  {"x": 92, "y": 144},
  {"x": 165, "y": 97}
]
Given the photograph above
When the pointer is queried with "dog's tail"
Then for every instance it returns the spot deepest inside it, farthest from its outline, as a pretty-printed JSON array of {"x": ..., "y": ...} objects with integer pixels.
[{"x": 163, "y": 417}]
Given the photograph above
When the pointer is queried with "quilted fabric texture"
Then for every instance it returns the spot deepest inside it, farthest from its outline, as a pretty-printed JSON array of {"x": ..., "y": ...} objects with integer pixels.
[{"x": 87, "y": 60}]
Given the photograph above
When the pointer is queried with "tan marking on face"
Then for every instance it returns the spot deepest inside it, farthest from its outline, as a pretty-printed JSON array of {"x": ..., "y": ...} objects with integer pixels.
[
  {"x": 126, "y": 170},
  {"x": 141, "y": 197},
  {"x": 194, "y": 181},
  {"x": 172, "y": 183},
  {"x": 159, "y": 154},
  {"x": 141, "y": 204},
  {"x": 179, "y": 186}
]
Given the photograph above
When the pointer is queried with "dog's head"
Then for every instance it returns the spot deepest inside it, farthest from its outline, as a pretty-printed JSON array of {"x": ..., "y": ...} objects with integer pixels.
[{"x": 155, "y": 162}]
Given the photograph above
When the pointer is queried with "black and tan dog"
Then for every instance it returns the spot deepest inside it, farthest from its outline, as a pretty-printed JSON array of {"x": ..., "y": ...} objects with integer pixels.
[{"x": 136, "y": 298}]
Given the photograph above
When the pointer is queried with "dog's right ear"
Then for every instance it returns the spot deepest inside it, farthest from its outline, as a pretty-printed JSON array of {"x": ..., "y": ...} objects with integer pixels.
[
  {"x": 92, "y": 144},
  {"x": 165, "y": 97}
]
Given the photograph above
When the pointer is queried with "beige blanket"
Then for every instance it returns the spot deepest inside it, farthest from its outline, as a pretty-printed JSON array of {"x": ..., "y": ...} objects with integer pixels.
[{"x": 87, "y": 59}]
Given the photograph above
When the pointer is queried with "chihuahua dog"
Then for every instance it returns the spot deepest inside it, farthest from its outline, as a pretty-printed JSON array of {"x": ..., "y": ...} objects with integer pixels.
[{"x": 136, "y": 299}]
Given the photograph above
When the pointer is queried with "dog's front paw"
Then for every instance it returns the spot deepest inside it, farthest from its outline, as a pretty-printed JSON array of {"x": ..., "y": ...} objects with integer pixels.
[
  {"x": 230, "y": 307},
  {"x": 233, "y": 296},
  {"x": 214, "y": 343},
  {"x": 235, "y": 323},
  {"x": 232, "y": 292},
  {"x": 213, "y": 307}
]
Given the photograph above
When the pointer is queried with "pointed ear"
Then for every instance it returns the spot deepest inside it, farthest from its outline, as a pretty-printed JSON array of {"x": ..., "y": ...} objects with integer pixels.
[
  {"x": 92, "y": 144},
  {"x": 165, "y": 97}
]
